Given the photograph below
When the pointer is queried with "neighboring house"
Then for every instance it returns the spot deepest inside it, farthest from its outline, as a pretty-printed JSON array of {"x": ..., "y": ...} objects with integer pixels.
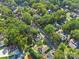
[
  {"x": 77, "y": 44},
  {"x": 72, "y": 43},
  {"x": 73, "y": 15},
  {"x": 50, "y": 55},
  {"x": 57, "y": 25},
  {"x": 38, "y": 38},
  {"x": 41, "y": 35},
  {"x": 15, "y": 10},
  {"x": 63, "y": 37},
  {"x": 60, "y": 31},
  {"x": 42, "y": 49}
]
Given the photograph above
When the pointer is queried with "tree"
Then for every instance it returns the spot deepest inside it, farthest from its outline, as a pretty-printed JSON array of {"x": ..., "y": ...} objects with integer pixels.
[
  {"x": 59, "y": 2},
  {"x": 10, "y": 1},
  {"x": 72, "y": 3},
  {"x": 59, "y": 54},
  {"x": 64, "y": 52},
  {"x": 40, "y": 7},
  {"x": 26, "y": 17},
  {"x": 5, "y": 10},
  {"x": 49, "y": 28},
  {"x": 34, "y": 31},
  {"x": 52, "y": 7},
  {"x": 15, "y": 32},
  {"x": 34, "y": 53},
  {"x": 70, "y": 25},
  {"x": 46, "y": 19},
  {"x": 59, "y": 16},
  {"x": 19, "y": 2},
  {"x": 56, "y": 38},
  {"x": 21, "y": 42},
  {"x": 75, "y": 34}
]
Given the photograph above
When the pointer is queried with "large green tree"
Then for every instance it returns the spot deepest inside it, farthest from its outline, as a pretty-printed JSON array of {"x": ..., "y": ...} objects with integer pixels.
[
  {"x": 5, "y": 10},
  {"x": 71, "y": 25},
  {"x": 49, "y": 28},
  {"x": 55, "y": 37},
  {"x": 75, "y": 34},
  {"x": 64, "y": 52},
  {"x": 15, "y": 31}
]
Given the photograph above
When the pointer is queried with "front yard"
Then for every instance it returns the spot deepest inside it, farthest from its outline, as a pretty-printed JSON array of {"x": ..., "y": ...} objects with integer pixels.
[{"x": 4, "y": 57}]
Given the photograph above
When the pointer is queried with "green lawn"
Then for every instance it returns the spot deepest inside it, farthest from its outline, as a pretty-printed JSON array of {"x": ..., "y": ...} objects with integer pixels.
[{"x": 4, "y": 57}]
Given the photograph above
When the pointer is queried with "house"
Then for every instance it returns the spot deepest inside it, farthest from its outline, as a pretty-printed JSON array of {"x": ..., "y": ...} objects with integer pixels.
[
  {"x": 57, "y": 25},
  {"x": 42, "y": 36},
  {"x": 73, "y": 15},
  {"x": 63, "y": 37},
  {"x": 50, "y": 55},
  {"x": 72, "y": 43},
  {"x": 42, "y": 49},
  {"x": 15, "y": 10},
  {"x": 37, "y": 38},
  {"x": 77, "y": 44}
]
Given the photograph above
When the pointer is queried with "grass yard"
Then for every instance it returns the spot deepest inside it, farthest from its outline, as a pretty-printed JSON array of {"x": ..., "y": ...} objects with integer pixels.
[{"x": 4, "y": 57}]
